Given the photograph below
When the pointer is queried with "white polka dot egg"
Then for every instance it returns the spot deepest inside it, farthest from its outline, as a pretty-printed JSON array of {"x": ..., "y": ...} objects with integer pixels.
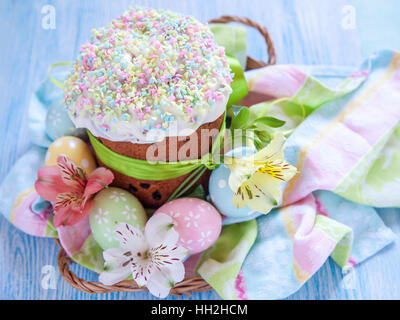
[
  {"x": 197, "y": 222},
  {"x": 113, "y": 205},
  {"x": 58, "y": 123},
  {"x": 75, "y": 149}
]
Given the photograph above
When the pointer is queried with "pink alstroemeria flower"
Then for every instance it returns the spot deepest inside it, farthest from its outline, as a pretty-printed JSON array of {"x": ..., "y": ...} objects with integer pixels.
[{"x": 70, "y": 191}]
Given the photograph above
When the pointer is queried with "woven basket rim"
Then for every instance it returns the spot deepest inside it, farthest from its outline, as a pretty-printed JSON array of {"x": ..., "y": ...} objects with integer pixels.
[{"x": 190, "y": 284}]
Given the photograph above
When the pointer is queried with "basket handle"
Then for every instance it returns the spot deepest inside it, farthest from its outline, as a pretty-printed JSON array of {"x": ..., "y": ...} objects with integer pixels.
[{"x": 253, "y": 63}]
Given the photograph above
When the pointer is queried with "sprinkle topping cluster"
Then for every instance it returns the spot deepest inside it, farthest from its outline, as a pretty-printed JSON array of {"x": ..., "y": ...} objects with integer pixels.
[{"x": 147, "y": 70}]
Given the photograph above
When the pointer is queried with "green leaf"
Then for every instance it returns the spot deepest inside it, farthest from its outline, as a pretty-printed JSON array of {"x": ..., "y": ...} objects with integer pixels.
[
  {"x": 258, "y": 144},
  {"x": 198, "y": 192},
  {"x": 270, "y": 122},
  {"x": 264, "y": 136},
  {"x": 240, "y": 117}
]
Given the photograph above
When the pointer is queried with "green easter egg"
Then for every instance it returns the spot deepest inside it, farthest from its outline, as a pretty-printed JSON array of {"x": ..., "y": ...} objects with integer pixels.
[{"x": 113, "y": 205}]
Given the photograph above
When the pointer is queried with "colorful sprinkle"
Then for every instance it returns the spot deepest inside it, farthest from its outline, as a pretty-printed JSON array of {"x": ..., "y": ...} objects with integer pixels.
[{"x": 148, "y": 67}]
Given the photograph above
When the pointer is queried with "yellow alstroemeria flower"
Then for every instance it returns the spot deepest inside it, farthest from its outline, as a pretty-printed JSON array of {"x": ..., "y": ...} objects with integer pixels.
[{"x": 255, "y": 180}]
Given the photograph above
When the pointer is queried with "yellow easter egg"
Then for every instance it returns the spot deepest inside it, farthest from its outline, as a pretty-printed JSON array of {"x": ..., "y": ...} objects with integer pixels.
[{"x": 75, "y": 149}]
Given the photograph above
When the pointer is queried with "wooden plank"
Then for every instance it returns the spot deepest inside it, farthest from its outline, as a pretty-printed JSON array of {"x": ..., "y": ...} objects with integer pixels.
[{"x": 304, "y": 32}]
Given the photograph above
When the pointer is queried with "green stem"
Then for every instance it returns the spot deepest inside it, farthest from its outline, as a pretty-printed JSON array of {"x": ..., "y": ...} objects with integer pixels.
[
  {"x": 187, "y": 188},
  {"x": 181, "y": 186}
]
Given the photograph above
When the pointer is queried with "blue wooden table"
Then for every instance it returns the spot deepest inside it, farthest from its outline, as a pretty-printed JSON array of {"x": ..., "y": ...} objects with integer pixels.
[{"x": 329, "y": 32}]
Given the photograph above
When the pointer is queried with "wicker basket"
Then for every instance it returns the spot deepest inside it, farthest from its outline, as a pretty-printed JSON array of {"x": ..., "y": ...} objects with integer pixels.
[{"x": 192, "y": 284}]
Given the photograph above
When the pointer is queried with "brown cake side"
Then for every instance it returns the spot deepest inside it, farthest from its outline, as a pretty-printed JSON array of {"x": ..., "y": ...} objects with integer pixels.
[{"x": 153, "y": 193}]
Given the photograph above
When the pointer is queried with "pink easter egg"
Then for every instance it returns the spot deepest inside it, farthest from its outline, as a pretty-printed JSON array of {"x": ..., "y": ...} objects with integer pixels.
[{"x": 197, "y": 222}]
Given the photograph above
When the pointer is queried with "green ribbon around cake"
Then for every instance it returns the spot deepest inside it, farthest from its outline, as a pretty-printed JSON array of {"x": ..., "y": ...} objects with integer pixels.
[{"x": 155, "y": 170}]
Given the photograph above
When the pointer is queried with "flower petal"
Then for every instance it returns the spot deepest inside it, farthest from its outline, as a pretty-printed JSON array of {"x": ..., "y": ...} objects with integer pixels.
[
  {"x": 279, "y": 170},
  {"x": 62, "y": 215},
  {"x": 99, "y": 179},
  {"x": 242, "y": 196},
  {"x": 271, "y": 150},
  {"x": 142, "y": 270},
  {"x": 177, "y": 272},
  {"x": 71, "y": 174},
  {"x": 239, "y": 175},
  {"x": 88, "y": 207},
  {"x": 155, "y": 259},
  {"x": 160, "y": 230},
  {"x": 67, "y": 216},
  {"x": 117, "y": 265},
  {"x": 49, "y": 183},
  {"x": 266, "y": 192},
  {"x": 114, "y": 276},
  {"x": 160, "y": 285},
  {"x": 179, "y": 253},
  {"x": 166, "y": 255},
  {"x": 116, "y": 257},
  {"x": 130, "y": 237},
  {"x": 68, "y": 199},
  {"x": 162, "y": 281},
  {"x": 243, "y": 168}
]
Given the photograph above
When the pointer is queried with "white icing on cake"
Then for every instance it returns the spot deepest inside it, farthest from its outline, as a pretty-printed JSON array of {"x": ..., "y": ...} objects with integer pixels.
[{"x": 148, "y": 75}]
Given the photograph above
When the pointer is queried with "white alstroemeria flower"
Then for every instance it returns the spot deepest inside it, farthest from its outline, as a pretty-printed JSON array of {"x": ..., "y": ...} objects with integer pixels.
[
  {"x": 255, "y": 180},
  {"x": 154, "y": 259}
]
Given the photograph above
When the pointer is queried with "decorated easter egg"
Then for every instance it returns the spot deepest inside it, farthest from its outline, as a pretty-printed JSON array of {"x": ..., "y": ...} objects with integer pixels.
[
  {"x": 75, "y": 149},
  {"x": 113, "y": 205},
  {"x": 58, "y": 123},
  {"x": 197, "y": 222},
  {"x": 221, "y": 194}
]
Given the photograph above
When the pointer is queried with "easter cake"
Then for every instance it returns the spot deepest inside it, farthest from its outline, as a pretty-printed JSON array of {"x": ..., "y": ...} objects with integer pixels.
[{"x": 150, "y": 78}]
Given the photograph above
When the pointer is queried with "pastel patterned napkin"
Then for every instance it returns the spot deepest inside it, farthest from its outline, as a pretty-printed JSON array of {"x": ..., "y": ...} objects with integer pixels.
[{"x": 347, "y": 150}]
